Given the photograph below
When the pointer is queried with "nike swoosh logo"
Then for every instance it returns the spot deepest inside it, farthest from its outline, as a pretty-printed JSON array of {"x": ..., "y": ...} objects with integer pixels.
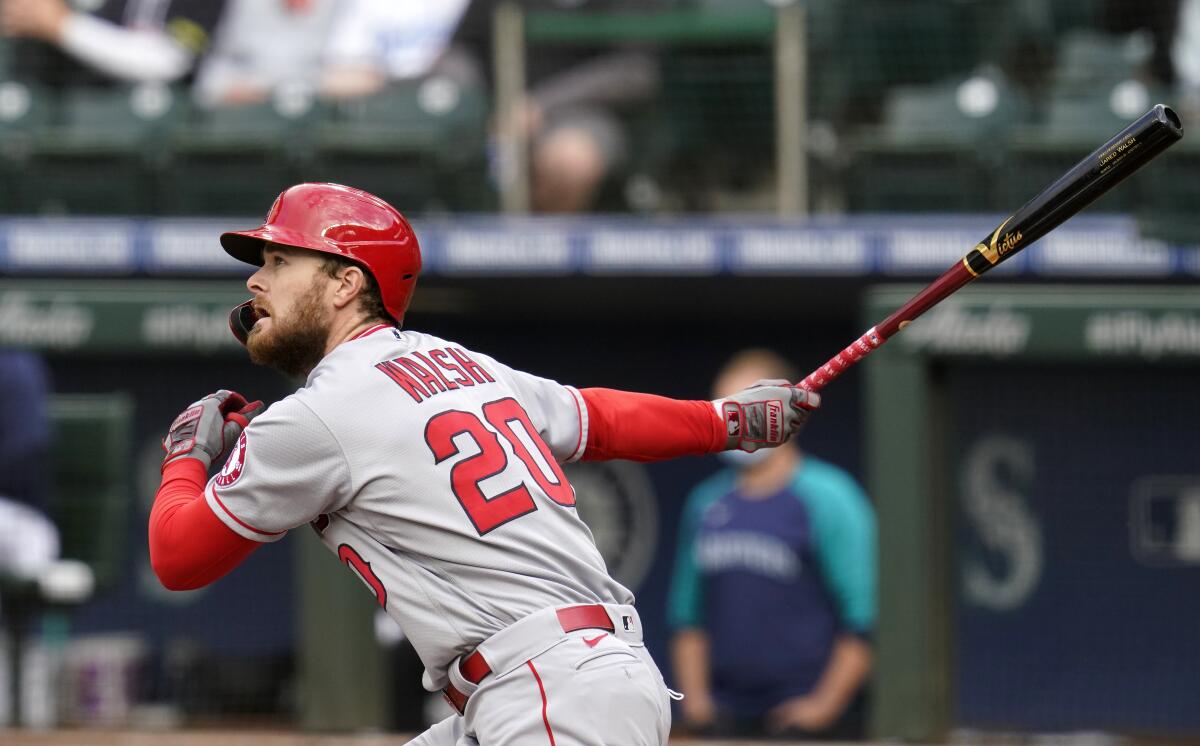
[{"x": 595, "y": 640}]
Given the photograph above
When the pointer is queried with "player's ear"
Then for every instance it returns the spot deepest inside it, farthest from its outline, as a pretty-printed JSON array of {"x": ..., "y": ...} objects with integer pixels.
[{"x": 351, "y": 283}]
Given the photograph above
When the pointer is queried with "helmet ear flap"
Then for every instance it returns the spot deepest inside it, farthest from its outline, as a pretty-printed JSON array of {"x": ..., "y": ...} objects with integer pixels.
[{"x": 241, "y": 320}]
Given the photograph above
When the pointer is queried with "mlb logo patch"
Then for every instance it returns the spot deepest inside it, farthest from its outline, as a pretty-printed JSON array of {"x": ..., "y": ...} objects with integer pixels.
[
  {"x": 733, "y": 421},
  {"x": 627, "y": 623}
]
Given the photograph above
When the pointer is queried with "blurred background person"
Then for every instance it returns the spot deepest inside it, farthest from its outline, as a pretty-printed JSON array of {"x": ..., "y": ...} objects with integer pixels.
[
  {"x": 571, "y": 116},
  {"x": 262, "y": 46},
  {"x": 132, "y": 41},
  {"x": 773, "y": 596},
  {"x": 29, "y": 541},
  {"x": 374, "y": 42}
]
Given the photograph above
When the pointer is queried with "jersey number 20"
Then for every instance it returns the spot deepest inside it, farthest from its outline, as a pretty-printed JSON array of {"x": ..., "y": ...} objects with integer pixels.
[{"x": 487, "y": 513}]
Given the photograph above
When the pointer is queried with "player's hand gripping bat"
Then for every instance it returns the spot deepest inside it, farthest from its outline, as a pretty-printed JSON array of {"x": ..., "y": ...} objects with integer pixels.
[{"x": 1113, "y": 162}]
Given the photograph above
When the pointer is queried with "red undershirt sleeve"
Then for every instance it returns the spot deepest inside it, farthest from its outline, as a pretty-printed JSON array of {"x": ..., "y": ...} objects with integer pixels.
[
  {"x": 189, "y": 546},
  {"x": 644, "y": 427}
]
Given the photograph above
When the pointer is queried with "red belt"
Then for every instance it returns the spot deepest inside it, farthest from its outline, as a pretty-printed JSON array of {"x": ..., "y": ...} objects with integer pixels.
[{"x": 474, "y": 668}]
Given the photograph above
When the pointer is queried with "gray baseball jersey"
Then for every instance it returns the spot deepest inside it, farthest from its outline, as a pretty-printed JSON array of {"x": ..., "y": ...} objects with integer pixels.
[{"x": 433, "y": 473}]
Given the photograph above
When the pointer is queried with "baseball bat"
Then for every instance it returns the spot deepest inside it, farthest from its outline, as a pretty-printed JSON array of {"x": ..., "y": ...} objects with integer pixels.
[{"x": 1110, "y": 164}]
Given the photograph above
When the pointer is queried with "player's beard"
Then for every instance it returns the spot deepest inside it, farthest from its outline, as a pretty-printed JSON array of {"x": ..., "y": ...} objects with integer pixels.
[{"x": 296, "y": 344}]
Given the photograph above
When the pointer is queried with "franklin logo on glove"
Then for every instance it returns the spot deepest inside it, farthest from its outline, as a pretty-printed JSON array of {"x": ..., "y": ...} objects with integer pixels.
[{"x": 757, "y": 417}]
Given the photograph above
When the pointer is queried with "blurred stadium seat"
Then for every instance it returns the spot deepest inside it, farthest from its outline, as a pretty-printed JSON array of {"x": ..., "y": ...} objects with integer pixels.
[
  {"x": 885, "y": 81},
  {"x": 235, "y": 160},
  {"x": 884, "y": 44},
  {"x": 1168, "y": 195},
  {"x": 420, "y": 145},
  {"x": 1088, "y": 60},
  {"x": 25, "y": 111},
  {"x": 938, "y": 148},
  {"x": 99, "y": 154},
  {"x": 91, "y": 497}
]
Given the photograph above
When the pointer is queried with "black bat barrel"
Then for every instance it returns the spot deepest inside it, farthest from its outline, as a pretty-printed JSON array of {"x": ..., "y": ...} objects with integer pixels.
[{"x": 1109, "y": 165}]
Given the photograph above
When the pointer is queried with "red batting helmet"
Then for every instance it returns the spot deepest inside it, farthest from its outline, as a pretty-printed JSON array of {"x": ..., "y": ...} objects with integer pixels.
[{"x": 340, "y": 220}]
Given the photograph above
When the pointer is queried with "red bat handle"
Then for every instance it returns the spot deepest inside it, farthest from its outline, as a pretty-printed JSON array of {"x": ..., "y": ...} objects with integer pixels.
[
  {"x": 843, "y": 360},
  {"x": 952, "y": 279}
]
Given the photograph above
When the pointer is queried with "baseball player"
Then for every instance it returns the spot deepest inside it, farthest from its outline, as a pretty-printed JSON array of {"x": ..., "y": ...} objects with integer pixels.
[
  {"x": 433, "y": 473},
  {"x": 773, "y": 596}
]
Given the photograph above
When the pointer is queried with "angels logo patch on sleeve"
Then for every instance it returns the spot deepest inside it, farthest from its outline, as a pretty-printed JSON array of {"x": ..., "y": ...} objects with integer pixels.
[{"x": 233, "y": 465}]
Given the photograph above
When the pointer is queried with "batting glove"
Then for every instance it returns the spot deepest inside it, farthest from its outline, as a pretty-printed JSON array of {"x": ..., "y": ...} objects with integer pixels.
[
  {"x": 208, "y": 428},
  {"x": 766, "y": 414}
]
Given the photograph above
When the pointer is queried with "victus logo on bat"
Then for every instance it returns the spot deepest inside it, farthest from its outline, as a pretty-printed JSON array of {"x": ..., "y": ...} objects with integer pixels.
[
  {"x": 1008, "y": 243},
  {"x": 998, "y": 247}
]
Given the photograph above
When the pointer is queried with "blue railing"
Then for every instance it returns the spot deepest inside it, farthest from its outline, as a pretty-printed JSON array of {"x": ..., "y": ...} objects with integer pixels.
[{"x": 1108, "y": 247}]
